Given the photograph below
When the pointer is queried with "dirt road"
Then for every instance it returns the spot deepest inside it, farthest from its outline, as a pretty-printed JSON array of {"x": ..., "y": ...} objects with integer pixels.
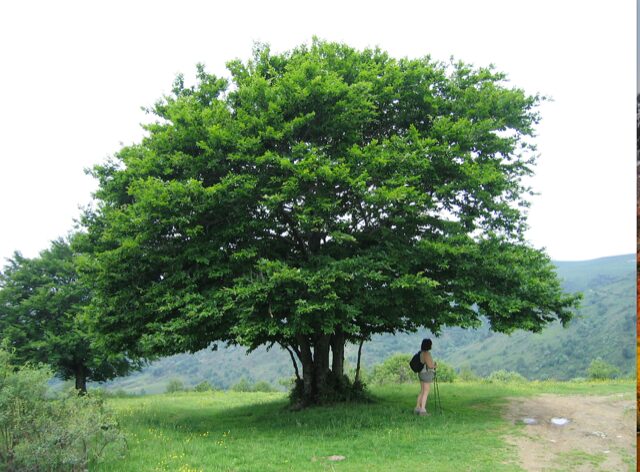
[{"x": 600, "y": 434}]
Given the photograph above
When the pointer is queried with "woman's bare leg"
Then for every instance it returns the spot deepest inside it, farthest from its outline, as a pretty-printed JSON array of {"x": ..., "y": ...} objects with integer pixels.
[
  {"x": 424, "y": 394},
  {"x": 419, "y": 399}
]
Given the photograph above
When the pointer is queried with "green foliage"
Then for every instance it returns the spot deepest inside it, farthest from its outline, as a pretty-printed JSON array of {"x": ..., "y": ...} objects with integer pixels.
[
  {"x": 204, "y": 386},
  {"x": 263, "y": 386},
  {"x": 37, "y": 433},
  {"x": 394, "y": 369},
  {"x": 288, "y": 383},
  {"x": 175, "y": 385},
  {"x": 466, "y": 374},
  {"x": 42, "y": 303},
  {"x": 341, "y": 154},
  {"x": 608, "y": 313},
  {"x": 243, "y": 385},
  {"x": 320, "y": 196},
  {"x": 445, "y": 372},
  {"x": 601, "y": 370},
  {"x": 506, "y": 376}
]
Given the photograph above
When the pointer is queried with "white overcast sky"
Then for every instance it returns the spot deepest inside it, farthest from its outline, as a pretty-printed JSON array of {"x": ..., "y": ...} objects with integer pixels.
[{"x": 74, "y": 75}]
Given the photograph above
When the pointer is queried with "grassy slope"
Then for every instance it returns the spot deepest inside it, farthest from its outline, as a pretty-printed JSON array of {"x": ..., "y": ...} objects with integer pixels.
[
  {"x": 254, "y": 431},
  {"x": 603, "y": 327},
  {"x": 564, "y": 353},
  {"x": 582, "y": 275}
]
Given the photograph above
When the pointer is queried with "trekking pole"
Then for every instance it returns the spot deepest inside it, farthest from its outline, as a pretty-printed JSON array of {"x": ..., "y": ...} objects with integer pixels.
[{"x": 438, "y": 401}]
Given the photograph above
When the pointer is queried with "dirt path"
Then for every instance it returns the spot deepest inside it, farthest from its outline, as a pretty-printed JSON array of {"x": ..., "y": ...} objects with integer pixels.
[{"x": 600, "y": 434}]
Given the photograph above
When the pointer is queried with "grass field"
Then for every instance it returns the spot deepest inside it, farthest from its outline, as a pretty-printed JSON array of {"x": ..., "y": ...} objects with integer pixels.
[{"x": 229, "y": 431}]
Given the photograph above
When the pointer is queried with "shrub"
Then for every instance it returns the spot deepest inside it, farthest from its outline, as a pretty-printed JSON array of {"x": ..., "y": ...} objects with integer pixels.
[
  {"x": 467, "y": 375},
  {"x": 287, "y": 383},
  {"x": 263, "y": 386},
  {"x": 242, "y": 386},
  {"x": 505, "y": 376},
  {"x": 601, "y": 370},
  {"x": 65, "y": 433},
  {"x": 175, "y": 385},
  {"x": 204, "y": 386},
  {"x": 394, "y": 369},
  {"x": 445, "y": 372}
]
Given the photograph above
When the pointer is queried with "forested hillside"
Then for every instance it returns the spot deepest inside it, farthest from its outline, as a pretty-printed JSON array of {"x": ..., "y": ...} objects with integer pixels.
[{"x": 604, "y": 327}]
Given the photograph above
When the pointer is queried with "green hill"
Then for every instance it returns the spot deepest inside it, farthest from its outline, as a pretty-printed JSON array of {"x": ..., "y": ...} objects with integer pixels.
[{"x": 604, "y": 327}]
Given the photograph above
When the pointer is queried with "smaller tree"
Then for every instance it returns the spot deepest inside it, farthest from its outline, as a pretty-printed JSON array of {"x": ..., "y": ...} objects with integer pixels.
[
  {"x": 175, "y": 385},
  {"x": 503, "y": 375},
  {"x": 204, "y": 386},
  {"x": 394, "y": 369},
  {"x": 263, "y": 386},
  {"x": 445, "y": 373},
  {"x": 466, "y": 374},
  {"x": 243, "y": 385},
  {"x": 42, "y": 319},
  {"x": 601, "y": 370}
]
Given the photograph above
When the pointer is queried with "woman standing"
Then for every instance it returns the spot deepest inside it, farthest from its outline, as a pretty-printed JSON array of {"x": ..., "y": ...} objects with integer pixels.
[{"x": 425, "y": 376}]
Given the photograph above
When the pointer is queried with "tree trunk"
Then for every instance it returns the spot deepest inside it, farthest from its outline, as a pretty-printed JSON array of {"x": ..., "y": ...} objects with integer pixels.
[
  {"x": 357, "y": 379},
  {"x": 323, "y": 379},
  {"x": 337, "y": 350},
  {"x": 321, "y": 363},
  {"x": 308, "y": 392},
  {"x": 81, "y": 380},
  {"x": 293, "y": 360}
]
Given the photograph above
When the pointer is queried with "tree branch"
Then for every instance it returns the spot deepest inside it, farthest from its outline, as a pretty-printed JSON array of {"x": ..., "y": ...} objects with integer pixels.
[{"x": 293, "y": 359}]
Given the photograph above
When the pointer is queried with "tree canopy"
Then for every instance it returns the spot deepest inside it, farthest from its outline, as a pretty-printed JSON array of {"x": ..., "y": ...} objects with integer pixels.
[
  {"x": 317, "y": 197},
  {"x": 42, "y": 320}
]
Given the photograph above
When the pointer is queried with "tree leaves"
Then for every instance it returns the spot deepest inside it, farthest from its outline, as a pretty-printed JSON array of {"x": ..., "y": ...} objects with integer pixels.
[{"x": 318, "y": 190}]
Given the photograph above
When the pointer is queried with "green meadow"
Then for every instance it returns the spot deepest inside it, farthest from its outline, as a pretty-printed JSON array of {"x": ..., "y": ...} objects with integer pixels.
[{"x": 233, "y": 431}]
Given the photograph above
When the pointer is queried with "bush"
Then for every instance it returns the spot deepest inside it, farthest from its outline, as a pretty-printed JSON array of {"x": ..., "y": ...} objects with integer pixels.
[
  {"x": 263, "y": 386},
  {"x": 204, "y": 386},
  {"x": 505, "y": 376},
  {"x": 287, "y": 383},
  {"x": 467, "y": 375},
  {"x": 445, "y": 373},
  {"x": 394, "y": 369},
  {"x": 601, "y": 370},
  {"x": 242, "y": 386},
  {"x": 65, "y": 433},
  {"x": 175, "y": 385}
]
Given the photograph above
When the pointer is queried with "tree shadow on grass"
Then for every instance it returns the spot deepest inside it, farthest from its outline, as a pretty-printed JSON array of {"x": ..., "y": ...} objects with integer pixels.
[{"x": 258, "y": 414}]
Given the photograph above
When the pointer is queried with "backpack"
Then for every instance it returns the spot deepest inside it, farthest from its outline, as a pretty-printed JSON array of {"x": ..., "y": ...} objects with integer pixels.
[{"x": 415, "y": 363}]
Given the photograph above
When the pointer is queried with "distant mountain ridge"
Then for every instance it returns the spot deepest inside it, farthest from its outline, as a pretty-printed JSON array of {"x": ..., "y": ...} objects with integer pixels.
[{"x": 605, "y": 327}]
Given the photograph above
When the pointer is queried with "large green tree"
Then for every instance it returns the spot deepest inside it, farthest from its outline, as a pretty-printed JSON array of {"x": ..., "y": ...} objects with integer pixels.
[
  {"x": 316, "y": 198},
  {"x": 43, "y": 319}
]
